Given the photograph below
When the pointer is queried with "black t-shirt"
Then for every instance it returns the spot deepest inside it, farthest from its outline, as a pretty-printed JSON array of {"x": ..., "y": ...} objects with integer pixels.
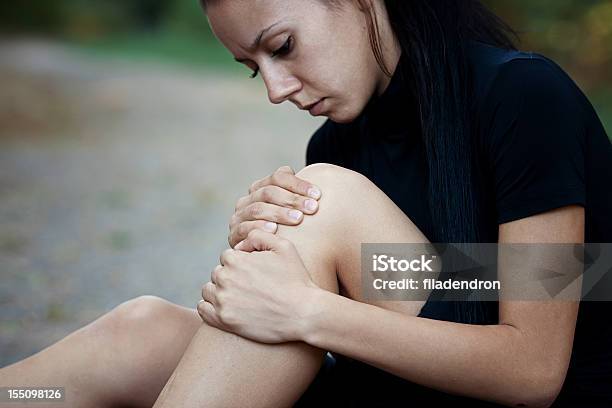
[{"x": 540, "y": 146}]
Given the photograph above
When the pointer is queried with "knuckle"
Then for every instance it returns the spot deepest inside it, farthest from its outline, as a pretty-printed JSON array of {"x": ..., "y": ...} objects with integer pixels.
[
  {"x": 253, "y": 186},
  {"x": 224, "y": 276},
  {"x": 255, "y": 210},
  {"x": 240, "y": 203},
  {"x": 209, "y": 287},
  {"x": 267, "y": 193},
  {"x": 276, "y": 178},
  {"x": 221, "y": 279},
  {"x": 227, "y": 317},
  {"x": 254, "y": 233},
  {"x": 201, "y": 310},
  {"x": 233, "y": 220},
  {"x": 242, "y": 230},
  {"x": 214, "y": 272},
  {"x": 302, "y": 185},
  {"x": 294, "y": 200},
  {"x": 227, "y": 256},
  {"x": 207, "y": 291},
  {"x": 221, "y": 299}
]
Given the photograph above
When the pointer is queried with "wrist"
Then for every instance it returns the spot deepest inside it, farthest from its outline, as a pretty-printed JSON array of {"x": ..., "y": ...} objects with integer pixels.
[{"x": 312, "y": 312}]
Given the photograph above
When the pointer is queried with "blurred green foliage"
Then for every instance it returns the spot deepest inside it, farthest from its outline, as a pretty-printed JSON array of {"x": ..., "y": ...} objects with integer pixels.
[
  {"x": 88, "y": 18},
  {"x": 172, "y": 30},
  {"x": 575, "y": 33}
]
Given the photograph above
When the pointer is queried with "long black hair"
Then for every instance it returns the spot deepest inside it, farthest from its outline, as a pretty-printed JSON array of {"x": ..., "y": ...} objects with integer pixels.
[{"x": 435, "y": 35}]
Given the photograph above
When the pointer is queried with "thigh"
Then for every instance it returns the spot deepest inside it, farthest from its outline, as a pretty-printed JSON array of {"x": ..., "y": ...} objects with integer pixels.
[
  {"x": 123, "y": 358},
  {"x": 352, "y": 210}
]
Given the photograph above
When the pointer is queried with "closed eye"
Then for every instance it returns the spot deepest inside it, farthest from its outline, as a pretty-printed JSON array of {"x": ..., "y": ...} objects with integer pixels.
[{"x": 285, "y": 48}]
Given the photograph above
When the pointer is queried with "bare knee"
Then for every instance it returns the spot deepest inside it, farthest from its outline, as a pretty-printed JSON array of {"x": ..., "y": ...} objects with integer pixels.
[
  {"x": 141, "y": 311},
  {"x": 335, "y": 177},
  {"x": 344, "y": 195},
  {"x": 347, "y": 198},
  {"x": 146, "y": 317},
  {"x": 353, "y": 206},
  {"x": 321, "y": 238},
  {"x": 352, "y": 210}
]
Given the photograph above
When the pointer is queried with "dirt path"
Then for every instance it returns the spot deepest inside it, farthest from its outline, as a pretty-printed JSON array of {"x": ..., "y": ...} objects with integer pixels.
[{"x": 117, "y": 179}]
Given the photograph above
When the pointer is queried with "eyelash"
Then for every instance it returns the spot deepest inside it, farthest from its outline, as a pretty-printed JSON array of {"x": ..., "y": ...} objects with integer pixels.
[{"x": 283, "y": 50}]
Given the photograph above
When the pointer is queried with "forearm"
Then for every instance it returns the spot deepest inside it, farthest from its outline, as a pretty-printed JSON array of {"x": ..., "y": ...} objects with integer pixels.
[{"x": 486, "y": 362}]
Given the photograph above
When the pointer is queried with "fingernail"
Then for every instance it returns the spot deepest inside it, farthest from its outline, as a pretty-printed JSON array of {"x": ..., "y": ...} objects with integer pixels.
[
  {"x": 295, "y": 214},
  {"x": 314, "y": 192},
  {"x": 270, "y": 226},
  {"x": 239, "y": 245},
  {"x": 310, "y": 205}
]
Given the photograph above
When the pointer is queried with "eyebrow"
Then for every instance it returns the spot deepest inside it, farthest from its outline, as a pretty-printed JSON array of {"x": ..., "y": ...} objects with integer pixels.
[{"x": 257, "y": 40}]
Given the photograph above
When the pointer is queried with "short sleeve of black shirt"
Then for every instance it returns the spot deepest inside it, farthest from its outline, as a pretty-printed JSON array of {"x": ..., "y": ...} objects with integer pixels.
[{"x": 533, "y": 138}]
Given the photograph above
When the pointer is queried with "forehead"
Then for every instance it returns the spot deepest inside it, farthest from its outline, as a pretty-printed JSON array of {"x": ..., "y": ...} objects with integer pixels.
[
  {"x": 240, "y": 18},
  {"x": 237, "y": 22}
]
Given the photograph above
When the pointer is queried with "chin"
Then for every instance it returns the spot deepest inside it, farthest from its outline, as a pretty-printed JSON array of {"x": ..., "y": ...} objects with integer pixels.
[
  {"x": 342, "y": 117},
  {"x": 339, "y": 120}
]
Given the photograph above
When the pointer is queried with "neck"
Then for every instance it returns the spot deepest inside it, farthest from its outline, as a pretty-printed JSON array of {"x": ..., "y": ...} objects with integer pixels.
[{"x": 390, "y": 48}]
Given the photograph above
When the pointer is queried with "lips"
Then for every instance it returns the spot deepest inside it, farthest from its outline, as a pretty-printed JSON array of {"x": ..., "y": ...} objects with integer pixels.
[
  {"x": 315, "y": 108},
  {"x": 309, "y": 106}
]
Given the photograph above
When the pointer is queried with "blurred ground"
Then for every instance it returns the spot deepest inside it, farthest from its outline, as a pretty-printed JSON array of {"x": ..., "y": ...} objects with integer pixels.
[{"x": 118, "y": 179}]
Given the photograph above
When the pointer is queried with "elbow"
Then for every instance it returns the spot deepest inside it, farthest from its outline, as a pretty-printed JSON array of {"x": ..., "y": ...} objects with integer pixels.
[{"x": 542, "y": 387}]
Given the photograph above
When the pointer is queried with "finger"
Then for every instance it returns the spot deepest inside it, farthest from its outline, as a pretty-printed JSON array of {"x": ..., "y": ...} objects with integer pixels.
[
  {"x": 258, "y": 240},
  {"x": 227, "y": 257},
  {"x": 209, "y": 293},
  {"x": 208, "y": 313},
  {"x": 288, "y": 181},
  {"x": 240, "y": 231},
  {"x": 214, "y": 273},
  {"x": 270, "y": 212},
  {"x": 277, "y": 195},
  {"x": 286, "y": 169},
  {"x": 242, "y": 202}
]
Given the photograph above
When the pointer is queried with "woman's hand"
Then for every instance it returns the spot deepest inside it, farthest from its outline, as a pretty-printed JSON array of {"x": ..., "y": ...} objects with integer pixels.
[
  {"x": 263, "y": 294},
  {"x": 281, "y": 198}
]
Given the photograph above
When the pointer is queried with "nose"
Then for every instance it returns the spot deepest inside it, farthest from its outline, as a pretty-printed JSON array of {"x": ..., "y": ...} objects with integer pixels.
[{"x": 280, "y": 84}]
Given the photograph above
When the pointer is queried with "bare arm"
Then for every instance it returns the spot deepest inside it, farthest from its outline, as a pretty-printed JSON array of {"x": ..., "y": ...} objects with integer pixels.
[{"x": 523, "y": 360}]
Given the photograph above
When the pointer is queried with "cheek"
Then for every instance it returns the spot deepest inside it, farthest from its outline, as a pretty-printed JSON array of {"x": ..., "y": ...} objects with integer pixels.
[
  {"x": 347, "y": 78},
  {"x": 355, "y": 97},
  {"x": 346, "y": 113}
]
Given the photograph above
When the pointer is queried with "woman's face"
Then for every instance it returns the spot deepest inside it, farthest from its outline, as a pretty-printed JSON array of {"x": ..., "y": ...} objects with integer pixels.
[{"x": 313, "y": 55}]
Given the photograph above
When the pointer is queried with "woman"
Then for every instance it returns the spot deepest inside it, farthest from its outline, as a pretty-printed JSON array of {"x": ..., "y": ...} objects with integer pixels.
[{"x": 439, "y": 132}]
